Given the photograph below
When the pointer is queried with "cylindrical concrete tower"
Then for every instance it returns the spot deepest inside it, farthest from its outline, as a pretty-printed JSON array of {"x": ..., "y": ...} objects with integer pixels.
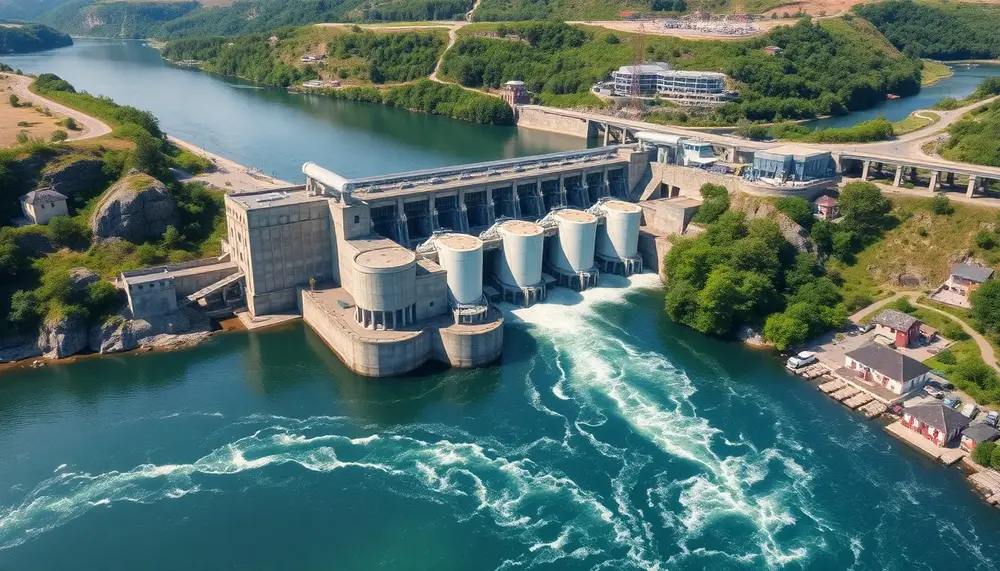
[
  {"x": 385, "y": 287},
  {"x": 573, "y": 249},
  {"x": 461, "y": 256},
  {"x": 521, "y": 262},
  {"x": 619, "y": 237}
]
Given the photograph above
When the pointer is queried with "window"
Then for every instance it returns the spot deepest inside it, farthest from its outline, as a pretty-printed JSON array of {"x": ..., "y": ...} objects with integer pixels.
[
  {"x": 52, "y": 204},
  {"x": 43, "y": 207},
  {"x": 432, "y": 304},
  {"x": 357, "y": 219}
]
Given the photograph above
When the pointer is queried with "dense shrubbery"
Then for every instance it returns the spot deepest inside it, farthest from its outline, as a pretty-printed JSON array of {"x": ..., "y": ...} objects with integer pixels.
[
  {"x": 825, "y": 69},
  {"x": 434, "y": 98},
  {"x": 249, "y": 57},
  {"x": 390, "y": 57},
  {"x": 53, "y": 87},
  {"x": 975, "y": 138},
  {"x": 745, "y": 273},
  {"x": 31, "y": 38},
  {"x": 959, "y": 31}
]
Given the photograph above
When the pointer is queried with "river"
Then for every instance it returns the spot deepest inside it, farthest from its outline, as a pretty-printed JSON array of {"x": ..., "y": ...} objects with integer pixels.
[
  {"x": 961, "y": 84},
  {"x": 606, "y": 438}
]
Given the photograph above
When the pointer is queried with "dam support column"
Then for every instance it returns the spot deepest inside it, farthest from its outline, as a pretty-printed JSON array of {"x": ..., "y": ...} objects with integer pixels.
[
  {"x": 607, "y": 134},
  {"x": 490, "y": 211},
  {"x": 865, "y": 169},
  {"x": 934, "y": 181},
  {"x": 971, "y": 191},
  {"x": 899, "y": 176}
]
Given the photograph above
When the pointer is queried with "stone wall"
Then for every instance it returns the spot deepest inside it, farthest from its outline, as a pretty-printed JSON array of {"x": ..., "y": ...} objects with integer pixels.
[
  {"x": 652, "y": 248},
  {"x": 690, "y": 180},
  {"x": 467, "y": 346},
  {"x": 534, "y": 118}
]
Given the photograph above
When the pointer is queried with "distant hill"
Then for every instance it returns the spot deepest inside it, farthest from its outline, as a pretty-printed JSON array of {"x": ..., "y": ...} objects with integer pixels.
[
  {"x": 25, "y": 38},
  {"x": 189, "y": 18},
  {"x": 26, "y": 9}
]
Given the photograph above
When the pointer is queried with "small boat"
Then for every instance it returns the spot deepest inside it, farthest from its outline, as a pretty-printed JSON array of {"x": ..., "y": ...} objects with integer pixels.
[{"x": 892, "y": 96}]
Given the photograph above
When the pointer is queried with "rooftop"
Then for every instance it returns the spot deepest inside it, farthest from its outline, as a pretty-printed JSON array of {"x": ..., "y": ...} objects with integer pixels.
[
  {"x": 980, "y": 433},
  {"x": 936, "y": 415},
  {"x": 888, "y": 362},
  {"x": 42, "y": 195},
  {"x": 572, "y": 215},
  {"x": 622, "y": 206},
  {"x": 972, "y": 273},
  {"x": 521, "y": 228},
  {"x": 826, "y": 200},
  {"x": 257, "y": 199},
  {"x": 394, "y": 257},
  {"x": 794, "y": 151},
  {"x": 654, "y": 67},
  {"x": 460, "y": 242},
  {"x": 896, "y": 320},
  {"x": 168, "y": 274}
]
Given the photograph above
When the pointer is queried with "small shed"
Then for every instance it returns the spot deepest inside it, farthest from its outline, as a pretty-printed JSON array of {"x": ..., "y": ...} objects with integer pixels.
[
  {"x": 40, "y": 206},
  {"x": 975, "y": 434},
  {"x": 827, "y": 207}
]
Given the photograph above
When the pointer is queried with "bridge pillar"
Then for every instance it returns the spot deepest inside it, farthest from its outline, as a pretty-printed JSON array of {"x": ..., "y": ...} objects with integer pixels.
[
  {"x": 864, "y": 170},
  {"x": 913, "y": 174},
  {"x": 491, "y": 216},
  {"x": 435, "y": 223},
  {"x": 607, "y": 134},
  {"x": 934, "y": 180},
  {"x": 899, "y": 176},
  {"x": 878, "y": 168},
  {"x": 972, "y": 186},
  {"x": 950, "y": 179}
]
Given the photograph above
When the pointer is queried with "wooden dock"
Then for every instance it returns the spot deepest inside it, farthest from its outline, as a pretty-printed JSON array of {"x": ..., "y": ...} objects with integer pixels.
[
  {"x": 873, "y": 409},
  {"x": 987, "y": 482},
  {"x": 853, "y": 397},
  {"x": 844, "y": 393},
  {"x": 831, "y": 386},
  {"x": 858, "y": 400}
]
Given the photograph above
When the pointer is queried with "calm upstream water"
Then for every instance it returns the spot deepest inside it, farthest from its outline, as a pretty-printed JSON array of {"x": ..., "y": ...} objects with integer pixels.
[
  {"x": 274, "y": 130},
  {"x": 605, "y": 438},
  {"x": 960, "y": 85}
]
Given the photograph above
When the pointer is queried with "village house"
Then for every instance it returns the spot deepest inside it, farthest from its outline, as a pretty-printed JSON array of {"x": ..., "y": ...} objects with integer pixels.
[
  {"x": 515, "y": 93},
  {"x": 965, "y": 278},
  {"x": 884, "y": 366},
  {"x": 827, "y": 207},
  {"x": 900, "y": 328},
  {"x": 977, "y": 434},
  {"x": 771, "y": 50},
  {"x": 938, "y": 423},
  {"x": 39, "y": 206}
]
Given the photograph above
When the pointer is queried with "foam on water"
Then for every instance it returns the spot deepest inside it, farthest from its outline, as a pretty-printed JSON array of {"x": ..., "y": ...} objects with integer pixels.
[{"x": 654, "y": 398}]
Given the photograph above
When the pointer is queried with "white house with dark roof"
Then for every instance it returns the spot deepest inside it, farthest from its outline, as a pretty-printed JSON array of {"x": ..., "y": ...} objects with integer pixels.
[
  {"x": 962, "y": 281},
  {"x": 39, "y": 206},
  {"x": 903, "y": 329},
  {"x": 887, "y": 367}
]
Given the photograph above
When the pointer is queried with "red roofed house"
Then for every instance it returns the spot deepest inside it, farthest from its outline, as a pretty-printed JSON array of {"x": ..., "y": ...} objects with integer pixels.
[
  {"x": 903, "y": 329},
  {"x": 938, "y": 423},
  {"x": 827, "y": 207}
]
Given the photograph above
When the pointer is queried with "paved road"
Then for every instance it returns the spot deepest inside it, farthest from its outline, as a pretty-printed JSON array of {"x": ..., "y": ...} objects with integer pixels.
[
  {"x": 985, "y": 348},
  {"x": 89, "y": 126}
]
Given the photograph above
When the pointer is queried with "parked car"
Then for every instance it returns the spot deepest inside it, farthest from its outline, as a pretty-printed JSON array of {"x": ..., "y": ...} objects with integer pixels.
[
  {"x": 866, "y": 327},
  {"x": 934, "y": 391},
  {"x": 953, "y": 402},
  {"x": 801, "y": 360},
  {"x": 970, "y": 410},
  {"x": 993, "y": 418}
]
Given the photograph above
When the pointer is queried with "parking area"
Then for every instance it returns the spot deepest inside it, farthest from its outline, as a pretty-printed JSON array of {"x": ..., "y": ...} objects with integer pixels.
[{"x": 831, "y": 348}]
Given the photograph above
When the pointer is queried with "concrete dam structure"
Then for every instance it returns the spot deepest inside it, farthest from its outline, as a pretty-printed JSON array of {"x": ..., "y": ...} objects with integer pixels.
[{"x": 398, "y": 270}]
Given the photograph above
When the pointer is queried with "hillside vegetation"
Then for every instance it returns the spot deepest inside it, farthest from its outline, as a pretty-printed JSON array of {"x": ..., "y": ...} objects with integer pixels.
[
  {"x": 164, "y": 20},
  {"x": 26, "y": 9},
  {"x": 31, "y": 38},
  {"x": 830, "y": 68},
  {"x": 35, "y": 261},
  {"x": 938, "y": 31}
]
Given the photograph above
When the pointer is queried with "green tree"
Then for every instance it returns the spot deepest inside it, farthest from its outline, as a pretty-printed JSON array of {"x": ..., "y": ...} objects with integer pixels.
[
  {"x": 995, "y": 458},
  {"x": 717, "y": 302},
  {"x": 715, "y": 201},
  {"x": 70, "y": 123},
  {"x": 985, "y": 306},
  {"x": 785, "y": 331},
  {"x": 13, "y": 259},
  {"x": 25, "y": 311},
  {"x": 172, "y": 237},
  {"x": 985, "y": 240},
  {"x": 798, "y": 209},
  {"x": 864, "y": 209},
  {"x": 982, "y": 454},
  {"x": 59, "y": 136},
  {"x": 148, "y": 156},
  {"x": 66, "y": 232},
  {"x": 940, "y": 204},
  {"x": 822, "y": 235},
  {"x": 14, "y": 100}
]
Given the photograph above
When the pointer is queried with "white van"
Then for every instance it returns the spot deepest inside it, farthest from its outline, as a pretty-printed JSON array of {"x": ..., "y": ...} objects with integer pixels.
[{"x": 801, "y": 360}]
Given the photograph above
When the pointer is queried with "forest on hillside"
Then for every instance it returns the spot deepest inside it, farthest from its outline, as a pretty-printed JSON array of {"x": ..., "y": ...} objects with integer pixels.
[
  {"x": 130, "y": 20},
  {"x": 948, "y": 32},
  {"x": 827, "y": 69},
  {"x": 31, "y": 38}
]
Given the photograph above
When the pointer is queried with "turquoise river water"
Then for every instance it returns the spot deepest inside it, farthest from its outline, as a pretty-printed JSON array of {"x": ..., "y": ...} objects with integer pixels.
[{"x": 606, "y": 437}]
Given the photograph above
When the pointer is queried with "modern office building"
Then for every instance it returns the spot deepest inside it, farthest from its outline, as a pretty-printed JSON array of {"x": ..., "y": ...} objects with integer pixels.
[{"x": 659, "y": 79}]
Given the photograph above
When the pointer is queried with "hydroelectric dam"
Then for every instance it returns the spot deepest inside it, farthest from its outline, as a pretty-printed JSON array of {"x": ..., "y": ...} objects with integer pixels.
[{"x": 397, "y": 270}]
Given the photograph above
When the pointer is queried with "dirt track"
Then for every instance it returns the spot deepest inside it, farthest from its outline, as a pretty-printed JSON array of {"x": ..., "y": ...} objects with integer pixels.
[{"x": 89, "y": 126}]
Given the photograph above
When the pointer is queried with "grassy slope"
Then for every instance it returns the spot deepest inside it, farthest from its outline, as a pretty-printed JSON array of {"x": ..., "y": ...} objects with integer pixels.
[{"x": 904, "y": 250}]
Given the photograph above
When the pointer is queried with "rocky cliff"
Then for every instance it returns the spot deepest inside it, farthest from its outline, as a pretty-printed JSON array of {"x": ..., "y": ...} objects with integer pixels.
[
  {"x": 74, "y": 175},
  {"x": 180, "y": 328},
  {"x": 136, "y": 207},
  {"x": 62, "y": 337},
  {"x": 755, "y": 207}
]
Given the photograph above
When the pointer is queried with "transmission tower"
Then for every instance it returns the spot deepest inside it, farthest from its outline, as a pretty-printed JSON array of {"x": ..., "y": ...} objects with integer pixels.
[{"x": 633, "y": 110}]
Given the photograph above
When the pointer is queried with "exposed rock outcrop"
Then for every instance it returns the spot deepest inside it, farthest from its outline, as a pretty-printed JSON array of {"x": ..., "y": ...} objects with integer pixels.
[
  {"x": 62, "y": 337},
  {"x": 180, "y": 328},
  {"x": 756, "y": 208},
  {"x": 75, "y": 175},
  {"x": 752, "y": 337},
  {"x": 136, "y": 207},
  {"x": 18, "y": 347},
  {"x": 80, "y": 278}
]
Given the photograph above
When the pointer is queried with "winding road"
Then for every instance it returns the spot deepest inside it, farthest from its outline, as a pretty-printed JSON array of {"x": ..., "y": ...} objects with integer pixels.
[{"x": 90, "y": 127}]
